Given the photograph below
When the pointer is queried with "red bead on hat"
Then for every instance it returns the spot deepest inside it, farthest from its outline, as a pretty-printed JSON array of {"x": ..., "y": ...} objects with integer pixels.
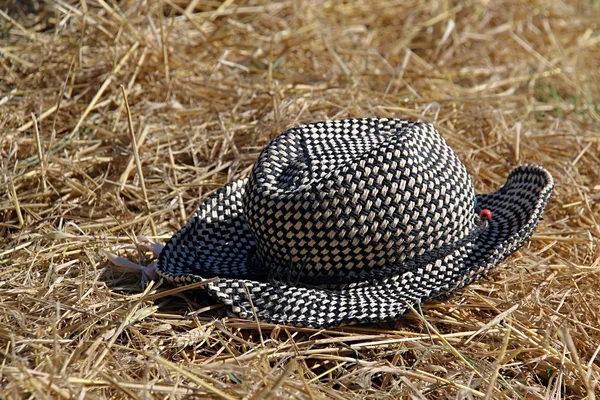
[{"x": 485, "y": 214}]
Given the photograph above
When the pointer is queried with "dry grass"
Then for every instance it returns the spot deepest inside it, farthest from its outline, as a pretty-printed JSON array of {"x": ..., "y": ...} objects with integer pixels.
[{"x": 209, "y": 83}]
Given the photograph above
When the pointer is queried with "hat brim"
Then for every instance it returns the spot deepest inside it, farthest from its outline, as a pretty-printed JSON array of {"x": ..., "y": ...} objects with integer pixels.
[{"x": 217, "y": 242}]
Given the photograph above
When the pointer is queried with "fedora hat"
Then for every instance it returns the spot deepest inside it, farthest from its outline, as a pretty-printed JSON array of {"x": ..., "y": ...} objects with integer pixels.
[{"x": 351, "y": 221}]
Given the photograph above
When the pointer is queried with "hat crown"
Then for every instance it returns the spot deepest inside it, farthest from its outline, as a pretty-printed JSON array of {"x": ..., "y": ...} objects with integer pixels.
[{"x": 338, "y": 197}]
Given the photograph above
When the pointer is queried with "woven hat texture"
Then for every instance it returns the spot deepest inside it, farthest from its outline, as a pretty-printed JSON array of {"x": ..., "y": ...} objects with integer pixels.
[{"x": 351, "y": 221}]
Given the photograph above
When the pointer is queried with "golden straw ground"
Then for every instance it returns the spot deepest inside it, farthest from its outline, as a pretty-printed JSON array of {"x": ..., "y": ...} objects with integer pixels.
[{"x": 208, "y": 85}]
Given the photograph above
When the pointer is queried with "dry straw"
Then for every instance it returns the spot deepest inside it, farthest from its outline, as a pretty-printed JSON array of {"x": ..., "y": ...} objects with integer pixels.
[{"x": 208, "y": 85}]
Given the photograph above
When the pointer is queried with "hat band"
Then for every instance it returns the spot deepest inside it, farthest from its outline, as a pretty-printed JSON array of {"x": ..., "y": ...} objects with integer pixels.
[{"x": 296, "y": 277}]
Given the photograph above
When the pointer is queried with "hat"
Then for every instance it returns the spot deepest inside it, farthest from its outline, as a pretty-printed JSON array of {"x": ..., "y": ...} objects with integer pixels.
[{"x": 352, "y": 221}]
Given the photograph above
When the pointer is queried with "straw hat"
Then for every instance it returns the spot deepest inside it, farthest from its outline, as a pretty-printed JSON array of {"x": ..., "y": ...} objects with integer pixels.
[{"x": 351, "y": 221}]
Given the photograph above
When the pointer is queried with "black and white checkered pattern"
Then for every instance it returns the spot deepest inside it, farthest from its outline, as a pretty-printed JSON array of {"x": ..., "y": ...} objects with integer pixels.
[{"x": 349, "y": 221}]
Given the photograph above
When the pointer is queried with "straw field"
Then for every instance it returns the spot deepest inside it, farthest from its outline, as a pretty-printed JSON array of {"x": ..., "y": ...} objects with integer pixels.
[{"x": 208, "y": 84}]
